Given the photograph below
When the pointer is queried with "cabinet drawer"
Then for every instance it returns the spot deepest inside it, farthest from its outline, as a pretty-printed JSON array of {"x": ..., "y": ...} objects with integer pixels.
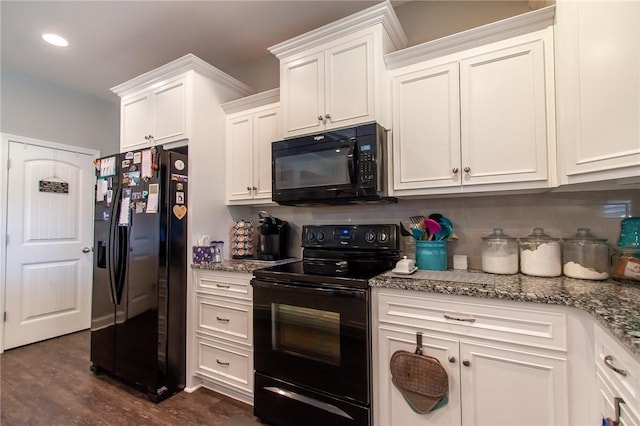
[
  {"x": 226, "y": 319},
  {"x": 607, "y": 401},
  {"x": 226, "y": 364},
  {"x": 609, "y": 355},
  {"x": 221, "y": 283},
  {"x": 486, "y": 320}
]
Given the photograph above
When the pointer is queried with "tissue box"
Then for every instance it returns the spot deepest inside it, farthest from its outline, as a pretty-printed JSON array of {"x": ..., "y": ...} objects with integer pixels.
[{"x": 202, "y": 255}]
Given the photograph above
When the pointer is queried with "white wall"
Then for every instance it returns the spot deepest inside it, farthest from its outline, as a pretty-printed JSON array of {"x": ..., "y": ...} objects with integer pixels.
[{"x": 39, "y": 110}]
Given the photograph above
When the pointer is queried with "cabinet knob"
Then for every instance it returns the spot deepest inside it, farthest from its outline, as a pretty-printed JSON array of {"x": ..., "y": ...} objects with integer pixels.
[
  {"x": 455, "y": 170},
  {"x": 466, "y": 363},
  {"x": 319, "y": 118},
  {"x": 467, "y": 169},
  {"x": 328, "y": 116},
  {"x": 255, "y": 188},
  {"x": 452, "y": 359},
  {"x": 248, "y": 188}
]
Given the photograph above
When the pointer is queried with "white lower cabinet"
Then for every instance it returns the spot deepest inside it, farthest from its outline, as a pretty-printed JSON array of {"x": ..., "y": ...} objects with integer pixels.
[
  {"x": 493, "y": 379},
  {"x": 617, "y": 380},
  {"x": 222, "y": 336}
]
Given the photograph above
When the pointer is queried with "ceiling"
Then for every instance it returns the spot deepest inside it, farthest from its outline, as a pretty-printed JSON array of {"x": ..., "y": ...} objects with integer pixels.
[{"x": 114, "y": 41}]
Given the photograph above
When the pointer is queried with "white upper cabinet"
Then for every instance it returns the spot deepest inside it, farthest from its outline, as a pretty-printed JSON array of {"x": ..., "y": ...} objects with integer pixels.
[
  {"x": 475, "y": 111},
  {"x": 163, "y": 106},
  {"x": 155, "y": 116},
  {"x": 598, "y": 62},
  {"x": 335, "y": 76},
  {"x": 253, "y": 123}
]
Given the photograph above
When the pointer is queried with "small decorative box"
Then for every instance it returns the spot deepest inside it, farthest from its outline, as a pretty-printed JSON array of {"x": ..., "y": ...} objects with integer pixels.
[{"x": 202, "y": 254}]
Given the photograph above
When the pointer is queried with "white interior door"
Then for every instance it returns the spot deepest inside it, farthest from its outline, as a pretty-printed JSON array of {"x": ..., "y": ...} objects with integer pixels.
[{"x": 49, "y": 238}]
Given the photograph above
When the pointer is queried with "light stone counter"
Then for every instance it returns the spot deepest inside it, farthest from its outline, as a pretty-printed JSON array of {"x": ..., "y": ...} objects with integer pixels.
[{"x": 614, "y": 305}]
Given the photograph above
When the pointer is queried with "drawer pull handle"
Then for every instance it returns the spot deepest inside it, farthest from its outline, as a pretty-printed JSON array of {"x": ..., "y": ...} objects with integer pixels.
[
  {"x": 617, "y": 401},
  {"x": 608, "y": 361},
  {"x": 222, "y": 363},
  {"x": 222, "y": 286},
  {"x": 451, "y": 317},
  {"x": 222, "y": 319}
]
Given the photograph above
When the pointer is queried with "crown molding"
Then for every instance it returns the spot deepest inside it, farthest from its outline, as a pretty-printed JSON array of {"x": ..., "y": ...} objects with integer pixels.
[
  {"x": 181, "y": 65},
  {"x": 493, "y": 32},
  {"x": 252, "y": 101},
  {"x": 382, "y": 13}
]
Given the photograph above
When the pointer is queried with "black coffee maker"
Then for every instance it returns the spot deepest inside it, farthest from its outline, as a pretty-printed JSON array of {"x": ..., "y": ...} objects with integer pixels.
[{"x": 272, "y": 238}]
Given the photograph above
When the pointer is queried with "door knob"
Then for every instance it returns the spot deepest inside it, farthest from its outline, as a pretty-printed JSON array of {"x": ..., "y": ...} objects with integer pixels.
[{"x": 86, "y": 249}]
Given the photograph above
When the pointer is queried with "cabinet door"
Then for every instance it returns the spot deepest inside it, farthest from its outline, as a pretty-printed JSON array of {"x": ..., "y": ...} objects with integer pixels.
[
  {"x": 136, "y": 117},
  {"x": 266, "y": 129},
  {"x": 512, "y": 387},
  {"x": 390, "y": 406},
  {"x": 426, "y": 128},
  {"x": 302, "y": 95},
  {"x": 349, "y": 88},
  {"x": 599, "y": 89},
  {"x": 170, "y": 112},
  {"x": 240, "y": 158},
  {"x": 503, "y": 116}
]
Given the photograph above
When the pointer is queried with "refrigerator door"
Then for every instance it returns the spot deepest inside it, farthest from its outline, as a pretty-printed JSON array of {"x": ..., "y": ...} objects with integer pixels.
[
  {"x": 104, "y": 271},
  {"x": 139, "y": 229}
]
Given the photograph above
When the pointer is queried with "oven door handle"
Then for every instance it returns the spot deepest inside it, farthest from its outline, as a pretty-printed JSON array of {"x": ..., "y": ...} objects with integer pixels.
[
  {"x": 359, "y": 293},
  {"x": 309, "y": 401}
]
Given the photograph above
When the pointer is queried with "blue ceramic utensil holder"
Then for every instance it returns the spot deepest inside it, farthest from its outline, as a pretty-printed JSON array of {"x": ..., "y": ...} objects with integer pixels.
[{"x": 431, "y": 255}]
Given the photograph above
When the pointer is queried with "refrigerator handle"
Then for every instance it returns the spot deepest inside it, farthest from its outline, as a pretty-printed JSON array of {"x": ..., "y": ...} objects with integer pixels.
[
  {"x": 113, "y": 245},
  {"x": 122, "y": 255}
]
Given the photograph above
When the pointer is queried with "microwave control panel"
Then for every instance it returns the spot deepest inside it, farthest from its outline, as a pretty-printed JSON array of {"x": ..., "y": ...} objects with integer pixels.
[{"x": 366, "y": 165}]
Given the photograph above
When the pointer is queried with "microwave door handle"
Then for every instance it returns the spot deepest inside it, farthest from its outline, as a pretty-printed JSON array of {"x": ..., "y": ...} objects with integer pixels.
[{"x": 353, "y": 161}]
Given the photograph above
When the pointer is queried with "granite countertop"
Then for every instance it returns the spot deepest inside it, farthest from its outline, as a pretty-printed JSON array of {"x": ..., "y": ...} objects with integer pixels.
[
  {"x": 616, "y": 306},
  {"x": 241, "y": 265}
]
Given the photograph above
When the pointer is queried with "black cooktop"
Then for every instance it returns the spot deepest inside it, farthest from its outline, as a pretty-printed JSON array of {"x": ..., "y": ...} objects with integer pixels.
[{"x": 302, "y": 273}]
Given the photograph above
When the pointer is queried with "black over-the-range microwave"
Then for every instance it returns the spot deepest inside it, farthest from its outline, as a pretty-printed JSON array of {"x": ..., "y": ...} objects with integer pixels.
[{"x": 343, "y": 166}]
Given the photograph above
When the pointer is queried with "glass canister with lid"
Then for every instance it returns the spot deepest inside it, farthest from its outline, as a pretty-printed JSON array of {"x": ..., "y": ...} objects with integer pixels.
[
  {"x": 585, "y": 256},
  {"x": 540, "y": 255},
  {"x": 499, "y": 253}
]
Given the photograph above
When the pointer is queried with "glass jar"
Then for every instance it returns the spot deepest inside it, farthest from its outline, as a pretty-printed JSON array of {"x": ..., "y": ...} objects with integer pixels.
[
  {"x": 625, "y": 264},
  {"x": 499, "y": 253},
  {"x": 540, "y": 255},
  {"x": 585, "y": 256}
]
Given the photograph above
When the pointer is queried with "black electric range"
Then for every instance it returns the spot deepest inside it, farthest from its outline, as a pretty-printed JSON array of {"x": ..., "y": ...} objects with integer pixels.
[{"x": 341, "y": 255}]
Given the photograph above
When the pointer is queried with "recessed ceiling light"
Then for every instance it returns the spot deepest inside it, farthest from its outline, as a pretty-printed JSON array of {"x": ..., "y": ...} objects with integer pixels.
[{"x": 55, "y": 39}]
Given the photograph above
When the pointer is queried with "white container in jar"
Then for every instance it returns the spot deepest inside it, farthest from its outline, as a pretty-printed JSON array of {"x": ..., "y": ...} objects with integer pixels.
[
  {"x": 499, "y": 253},
  {"x": 585, "y": 256},
  {"x": 540, "y": 255}
]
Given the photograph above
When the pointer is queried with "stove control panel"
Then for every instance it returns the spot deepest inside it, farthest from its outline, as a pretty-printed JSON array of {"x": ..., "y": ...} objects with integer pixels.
[{"x": 376, "y": 236}]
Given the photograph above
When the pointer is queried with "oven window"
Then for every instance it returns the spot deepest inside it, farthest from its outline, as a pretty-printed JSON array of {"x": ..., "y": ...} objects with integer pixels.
[
  {"x": 309, "y": 333},
  {"x": 319, "y": 168}
]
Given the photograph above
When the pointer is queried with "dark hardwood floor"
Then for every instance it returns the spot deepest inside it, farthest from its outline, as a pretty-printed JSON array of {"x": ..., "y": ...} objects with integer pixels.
[{"x": 49, "y": 383}]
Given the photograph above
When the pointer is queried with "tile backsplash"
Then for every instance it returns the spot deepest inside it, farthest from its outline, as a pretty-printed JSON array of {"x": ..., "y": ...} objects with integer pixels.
[{"x": 473, "y": 217}]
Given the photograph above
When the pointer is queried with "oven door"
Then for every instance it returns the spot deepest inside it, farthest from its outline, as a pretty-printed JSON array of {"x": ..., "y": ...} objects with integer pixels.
[{"x": 315, "y": 337}]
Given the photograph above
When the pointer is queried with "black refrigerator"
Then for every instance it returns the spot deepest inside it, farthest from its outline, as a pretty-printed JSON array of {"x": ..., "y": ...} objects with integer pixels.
[{"x": 138, "y": 309}]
